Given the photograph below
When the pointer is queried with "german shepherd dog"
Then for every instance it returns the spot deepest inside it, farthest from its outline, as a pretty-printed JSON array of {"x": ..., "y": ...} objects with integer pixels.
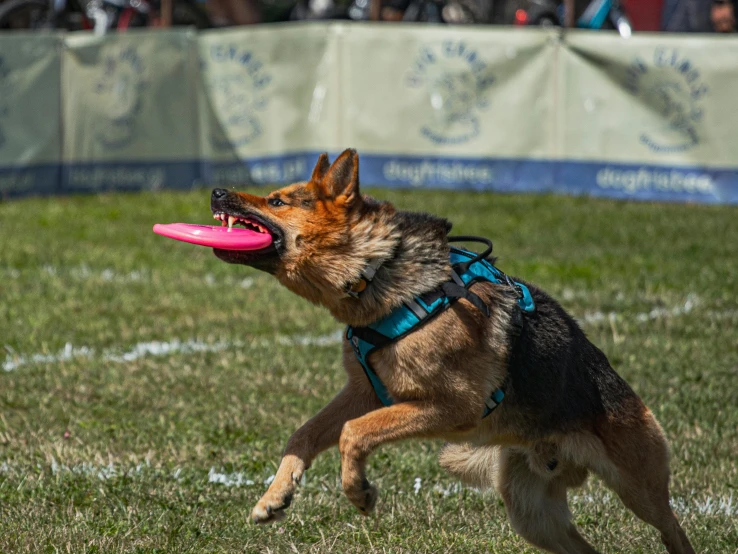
[{"x": 566, "y": 412}]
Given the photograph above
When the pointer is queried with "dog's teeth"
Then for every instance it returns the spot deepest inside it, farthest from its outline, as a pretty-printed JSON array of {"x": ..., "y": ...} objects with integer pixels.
[{"x": 231, "y": 219}]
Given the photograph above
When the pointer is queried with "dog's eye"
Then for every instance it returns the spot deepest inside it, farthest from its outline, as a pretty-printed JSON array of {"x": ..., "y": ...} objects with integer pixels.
[{"x": 275, "y": 202}]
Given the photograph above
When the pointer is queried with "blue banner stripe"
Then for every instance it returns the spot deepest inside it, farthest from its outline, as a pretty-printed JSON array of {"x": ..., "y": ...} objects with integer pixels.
[
  {"x": 42, "y": 179},
  {"x": 611, "y": 180},
  {"x": 130, "y": 175}
]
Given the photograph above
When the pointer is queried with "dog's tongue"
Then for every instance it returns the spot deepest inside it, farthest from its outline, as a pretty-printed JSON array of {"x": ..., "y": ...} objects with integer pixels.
[{"x": 223, "y": 238}]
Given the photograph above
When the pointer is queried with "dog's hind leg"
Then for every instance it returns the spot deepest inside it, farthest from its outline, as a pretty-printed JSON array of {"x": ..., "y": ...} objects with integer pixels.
[
  {"x": 640, "y": 476},
  {"x": 537, "y": 506}
]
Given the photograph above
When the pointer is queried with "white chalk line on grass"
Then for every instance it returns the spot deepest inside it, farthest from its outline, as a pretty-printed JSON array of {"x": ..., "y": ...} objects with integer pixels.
[
  {"x": 688, "y": 306},
  {"x": 84, "y": 272},
  {"x": 725, "y": 505},
  {"x": 709, "y": 505},
  {"x": 235, "y": 479},
  {"x": 14, "y": 360},
  {"x": 161, "y": 348}
]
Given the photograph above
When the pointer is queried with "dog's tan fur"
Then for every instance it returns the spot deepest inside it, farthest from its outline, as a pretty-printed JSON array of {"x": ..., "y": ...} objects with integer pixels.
[{"x": 440, "y": 375}]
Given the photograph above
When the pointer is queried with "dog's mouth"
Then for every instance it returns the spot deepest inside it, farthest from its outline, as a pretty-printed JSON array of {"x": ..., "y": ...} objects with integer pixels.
[
  {"x": 252, "y": 222},
  {"x": 264, "y": 258}
]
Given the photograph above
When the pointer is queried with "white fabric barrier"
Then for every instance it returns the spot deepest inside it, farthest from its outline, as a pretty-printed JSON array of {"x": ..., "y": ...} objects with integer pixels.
[
  {"x": 448, "y": 107},
  {"x": 130, "y": 111},
  {"x": 30, "y": 120},
  {"x": 650, "y": 117},
  {"x": 270, "y": 98}
]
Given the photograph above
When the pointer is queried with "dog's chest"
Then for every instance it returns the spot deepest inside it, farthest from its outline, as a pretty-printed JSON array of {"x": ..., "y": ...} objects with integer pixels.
[{"x": 432, "y": 363}]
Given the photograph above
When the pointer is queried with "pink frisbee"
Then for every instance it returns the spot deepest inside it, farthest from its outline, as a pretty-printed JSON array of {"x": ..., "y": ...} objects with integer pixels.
[{"x": 225, "y": 238}]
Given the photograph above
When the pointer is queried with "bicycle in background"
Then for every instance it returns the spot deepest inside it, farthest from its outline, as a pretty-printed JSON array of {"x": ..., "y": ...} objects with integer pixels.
[{"x": 598, "y": 14}]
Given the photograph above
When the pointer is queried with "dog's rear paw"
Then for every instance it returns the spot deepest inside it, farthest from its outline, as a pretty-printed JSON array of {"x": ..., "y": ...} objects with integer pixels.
[
  {"x": 270, "y": 510},
  {"x": 364, "y": 498}
]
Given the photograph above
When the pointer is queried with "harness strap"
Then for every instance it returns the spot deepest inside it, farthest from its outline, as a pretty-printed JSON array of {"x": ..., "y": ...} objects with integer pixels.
[
  {"x": 517, "y": 321},
  {"x": 456, "y": 279},
  {"x": 371, "y": 269},
  {"x": 452, "y": 290},
  {"x": 416, "y": 308},
  {"x": 430, "y": 297},
  {"x": 355, "y": 289},
  {"x": 467, "y": 268},
  {"x": 367, "y": 334},
  {"x": 493, "y": 401},
  {"x": 360, "y": 342},
  {"x": 463, "y": 267}
]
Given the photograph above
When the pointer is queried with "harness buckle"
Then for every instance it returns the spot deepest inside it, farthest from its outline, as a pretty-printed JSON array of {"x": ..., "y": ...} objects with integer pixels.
[
  {"x": 517, "y": 289},
  {"x": 355, "y": 289}
]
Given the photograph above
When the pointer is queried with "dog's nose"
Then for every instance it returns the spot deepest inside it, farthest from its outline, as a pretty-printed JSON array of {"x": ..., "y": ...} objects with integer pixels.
[{"x": 219, "y": 193}]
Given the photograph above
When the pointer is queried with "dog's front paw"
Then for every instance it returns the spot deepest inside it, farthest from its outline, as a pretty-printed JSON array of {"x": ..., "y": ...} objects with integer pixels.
[
  {"x": 270, "y": 508},
  {"x": 363, "y": 497}
]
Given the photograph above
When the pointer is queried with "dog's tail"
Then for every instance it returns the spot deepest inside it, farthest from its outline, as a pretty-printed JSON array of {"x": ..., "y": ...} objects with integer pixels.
[{"x": 477, "y": 466}]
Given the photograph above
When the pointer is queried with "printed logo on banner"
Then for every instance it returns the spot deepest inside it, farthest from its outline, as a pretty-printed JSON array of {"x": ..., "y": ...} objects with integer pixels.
[
  {"x": 671, "y": 85},
  {"x": 238, "y": 85},
  {"x": 4, "y": 95},
  {"x": 457, "y": 82},
  {"x": 120, "y": 93}
]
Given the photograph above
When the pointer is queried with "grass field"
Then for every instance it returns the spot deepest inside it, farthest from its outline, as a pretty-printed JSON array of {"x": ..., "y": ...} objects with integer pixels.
[{"x": 147, "y": 389}]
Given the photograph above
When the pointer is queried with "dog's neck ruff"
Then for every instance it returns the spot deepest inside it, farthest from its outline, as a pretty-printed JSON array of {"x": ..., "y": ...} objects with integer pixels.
[{"x": 467, "y": 268}]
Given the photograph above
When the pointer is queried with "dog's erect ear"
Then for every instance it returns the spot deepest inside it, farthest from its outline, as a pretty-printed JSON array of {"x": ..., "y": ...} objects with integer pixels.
[
  {"x": 341, "y": 181},
  {"x": 320, "y": 168}
]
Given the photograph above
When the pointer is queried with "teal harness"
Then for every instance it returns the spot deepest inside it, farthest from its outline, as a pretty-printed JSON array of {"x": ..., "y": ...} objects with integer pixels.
[{"x": 466, "y": 268}]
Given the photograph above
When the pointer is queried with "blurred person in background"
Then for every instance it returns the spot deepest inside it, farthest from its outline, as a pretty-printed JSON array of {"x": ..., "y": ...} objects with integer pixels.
[
  {"x": 699, "y": 16},
  {"x": 233, "y": 12},
  {"x": 722, "y": 15}
]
